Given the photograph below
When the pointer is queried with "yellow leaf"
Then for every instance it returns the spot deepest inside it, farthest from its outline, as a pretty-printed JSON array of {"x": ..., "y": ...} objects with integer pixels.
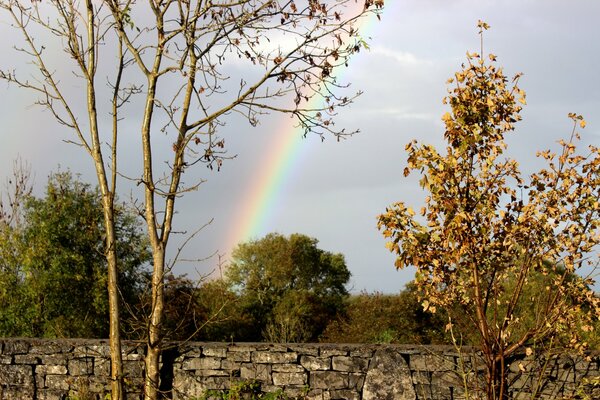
[
  {"x": 582, "y": 123},
  {"x": 522, "y": 100},
  {"x": 528, "y": 351}
]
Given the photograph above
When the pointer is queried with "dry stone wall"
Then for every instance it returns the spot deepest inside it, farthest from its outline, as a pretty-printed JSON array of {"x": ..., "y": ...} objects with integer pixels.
[{"x": 79, "y": 369}]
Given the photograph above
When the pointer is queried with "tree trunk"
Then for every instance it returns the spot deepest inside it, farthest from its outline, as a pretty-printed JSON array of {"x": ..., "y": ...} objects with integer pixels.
[
  {"x": 116, "y": 360},
  {"x": 116, "y": 365},
  {"x": 497, "y": 382},
  {"x": 152, "y": 380}
]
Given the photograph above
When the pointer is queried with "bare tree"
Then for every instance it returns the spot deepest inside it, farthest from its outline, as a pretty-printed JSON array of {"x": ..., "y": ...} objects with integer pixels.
[{"x": 178, "y": 59}]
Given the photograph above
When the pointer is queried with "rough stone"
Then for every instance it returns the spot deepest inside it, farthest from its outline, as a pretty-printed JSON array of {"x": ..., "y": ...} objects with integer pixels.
[
  {"x": 239, "y": 356},
  {"x": 16, "y": 375},
  {"x": 81, "y": 366},
  {"x": 315, "y": 363},
  {"x": 210, "y": 351},
  {"x": 287, "y": 368},
  {"x": 388, "y": 378},
  {"x": 349, "y": 364},
  {"x": 285, "y": 379},
  {"x": 266, "y": 357},
  {"x": 333, "y": 351},
  {"x": 328, "y": 380},
  {"x": 50, "y": 370},
  {"x": 202, "y": 363},
  {"x": 15, "y": 346},
  {"x": 430, "y": 362},
  {"x": 261, "y": 372},
  {"x": 57, "y": 382}
]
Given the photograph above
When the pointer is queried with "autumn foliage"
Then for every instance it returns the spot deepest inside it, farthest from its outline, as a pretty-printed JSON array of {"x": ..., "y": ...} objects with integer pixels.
[{"x": 485, "y": 230}]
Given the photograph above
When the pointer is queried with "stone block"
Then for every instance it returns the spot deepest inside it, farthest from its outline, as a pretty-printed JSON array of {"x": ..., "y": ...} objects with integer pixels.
[
  {"x": 16, "y": 392},
  {"x": 213, "y": 351},
  {"x": 96, "y": 384},
  {"x": 318, "y": 394},
  {"x": 101, "y": 367},
  {"x": 81, "y": 366},
  {"x": 432, "y": 362},
  {"x": 15, "y": 346},
  {"x": 333, "y": 351},
  {"x": 349, "y": 364},
  {"x": 345, "y": 395},
  {"x": 230, "y": 365},
  {"x": 245, "y": 348},
  {"x": 31, "y": 359},
  {"x": 6, "y": 359},
  {"x": 133, "y": 357},
  {"x": 423, "y": 377},
  {"x": 94, "y": 350},
  {"x": 202, "y": 363},
  {"x": 239, "y": 356},
  {"x": 288, "y": 368},
  {"x": 133, "y": 369},
  {"x": 60, "y": 382},
  {"x": 388, "y": 377},
  {"x": 261, "y": 372},
  {"x": 356, "y": 381},
  {"x": 304, "y": 348},
  {"x": 50, "y": 394},
  {"x": 211, "y": 372},
  {"x": 315, "y": 363},
  {"x": 364, "y": 352},
  {"x": 50, "y": 348},
  {"x": 51, "y": 359},
  {"x": 328, "y": 380},
  {"x": 285, "y": 379},
  {"x": 276, "y": 348},
  {"x": 293, "y": 392},
  {"x": 18, "y": 375},
  {"x": 268, "y": 357},
  {"x": 187, "y": 386},
  {"x": 50, "y": 370}
]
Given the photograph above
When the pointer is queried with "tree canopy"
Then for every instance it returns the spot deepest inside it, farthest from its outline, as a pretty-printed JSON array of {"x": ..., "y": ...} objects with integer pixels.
[
  {"x": 288, "y": 286},
  {"x": 52, "y": 265}
]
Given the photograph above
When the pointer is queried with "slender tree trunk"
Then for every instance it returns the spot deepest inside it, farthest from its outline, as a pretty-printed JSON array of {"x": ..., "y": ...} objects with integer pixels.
[
  {"x": 497, "y": 383},
  {"x": 116, "y": 365},
  {"x": 152, "y": 380}
]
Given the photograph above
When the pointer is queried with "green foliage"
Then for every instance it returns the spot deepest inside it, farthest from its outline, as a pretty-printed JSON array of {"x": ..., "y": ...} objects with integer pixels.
[
  {"x": 247, "y": 390},
  {"x": 380, "y": 318},
  {"x": 287, "y": 286},
  {"x": 52, "y": 266}
]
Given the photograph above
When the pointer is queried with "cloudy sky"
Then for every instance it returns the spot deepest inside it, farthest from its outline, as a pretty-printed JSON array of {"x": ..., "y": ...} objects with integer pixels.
[{"x": 332, "y": 190}]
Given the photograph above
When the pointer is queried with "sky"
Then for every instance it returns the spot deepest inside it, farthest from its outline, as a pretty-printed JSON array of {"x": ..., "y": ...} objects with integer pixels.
[{"x": 333, "y": 191}]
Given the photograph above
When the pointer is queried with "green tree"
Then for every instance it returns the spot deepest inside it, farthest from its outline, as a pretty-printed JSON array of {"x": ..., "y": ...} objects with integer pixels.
[
  {"x": 288, "y": 286},
  {"x": 485, "y": 231},
  {"x": 53, "y": 284},
  {"x": 386, "y": 318}
]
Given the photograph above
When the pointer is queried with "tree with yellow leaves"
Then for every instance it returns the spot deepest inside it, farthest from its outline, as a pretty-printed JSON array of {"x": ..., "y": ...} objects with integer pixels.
[{"x": 485, "y": 231}]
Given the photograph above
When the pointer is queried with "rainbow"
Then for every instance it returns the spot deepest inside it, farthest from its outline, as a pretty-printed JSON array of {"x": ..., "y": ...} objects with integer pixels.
[{"x": 264, "y": 193}]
